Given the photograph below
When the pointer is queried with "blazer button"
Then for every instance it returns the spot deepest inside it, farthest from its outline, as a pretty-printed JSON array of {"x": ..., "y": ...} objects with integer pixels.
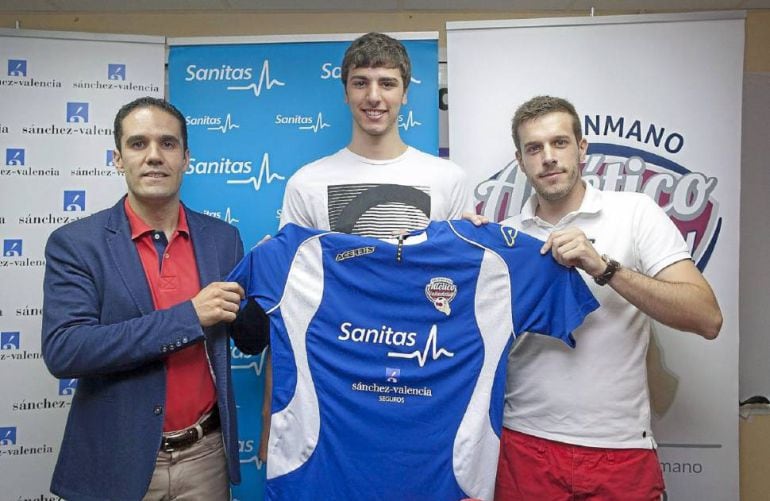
[
  {"x": 158, "y": 410},
  {"x": 184, "y": 339},
  {"x": 178, "y": 342},
  {"x": 163, "y": 349}
]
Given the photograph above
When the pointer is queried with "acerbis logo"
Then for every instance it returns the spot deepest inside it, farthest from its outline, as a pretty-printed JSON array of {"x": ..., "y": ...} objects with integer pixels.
[
  {"x": 17, "y": 67},
  {"x": 116, "y": 71},
  {"x": 9, "y": 340},
  {"x": 684, "y": 195},
  {"x": 7, "y": 435},
  {"x": 110, "y": 158},
  {"x": 350, "y": 253},
  {"x": 74, "y": 200},
  {"x": 77, "y": 112},
  {"x": 67, "y": 386},
  {"x": 12, "y": 247},
  {"x": 14, "y": 156}
]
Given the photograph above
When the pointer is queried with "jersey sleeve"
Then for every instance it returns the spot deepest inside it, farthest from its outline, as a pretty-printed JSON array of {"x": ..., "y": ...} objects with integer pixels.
[
  {"x": 263, "y": 272},
  {"x": 546, "y": 297}
]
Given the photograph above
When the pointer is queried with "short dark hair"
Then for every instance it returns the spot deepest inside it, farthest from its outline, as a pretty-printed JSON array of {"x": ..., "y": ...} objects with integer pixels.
[
  {"x": 148, "y": 102},
  {"x": 377, "y": 50},
  {"x": 539, "y": 106}
]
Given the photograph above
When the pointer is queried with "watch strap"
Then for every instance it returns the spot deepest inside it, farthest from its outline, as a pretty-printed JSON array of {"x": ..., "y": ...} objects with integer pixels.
[{"x": 612, "y": 267}]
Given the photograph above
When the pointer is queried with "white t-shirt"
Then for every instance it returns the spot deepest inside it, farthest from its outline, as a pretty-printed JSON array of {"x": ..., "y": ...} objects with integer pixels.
[
  {"x": 349, "y": 193},
  {"x": 596, "y": 395}
]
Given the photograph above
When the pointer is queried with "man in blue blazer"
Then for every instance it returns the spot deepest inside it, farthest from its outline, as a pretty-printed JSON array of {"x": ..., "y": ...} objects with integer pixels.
[{"x": 135, "y": 309}]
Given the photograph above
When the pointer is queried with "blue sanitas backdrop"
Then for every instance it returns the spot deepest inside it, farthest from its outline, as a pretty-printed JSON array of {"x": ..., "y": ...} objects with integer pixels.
[{"x": 257, "y": 112}]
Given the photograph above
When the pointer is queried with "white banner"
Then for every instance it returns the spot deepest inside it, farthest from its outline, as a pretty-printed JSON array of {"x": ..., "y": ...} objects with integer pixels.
[
  {"x": 59, "y": 93},
  {"x": 660, "y": 97}
]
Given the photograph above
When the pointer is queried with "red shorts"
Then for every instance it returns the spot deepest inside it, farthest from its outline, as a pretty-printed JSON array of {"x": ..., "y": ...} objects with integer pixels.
[{"x": 536, "y": 469}]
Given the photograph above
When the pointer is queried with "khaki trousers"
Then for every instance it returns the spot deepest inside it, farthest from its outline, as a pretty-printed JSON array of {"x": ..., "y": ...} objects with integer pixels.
[{"x": 196, "y": 473}]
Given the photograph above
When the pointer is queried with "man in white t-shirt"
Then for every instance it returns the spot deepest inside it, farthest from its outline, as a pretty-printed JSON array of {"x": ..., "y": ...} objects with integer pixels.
[
  {"x": 376, "y": 186},
  {"x": 577, "y": 422}
]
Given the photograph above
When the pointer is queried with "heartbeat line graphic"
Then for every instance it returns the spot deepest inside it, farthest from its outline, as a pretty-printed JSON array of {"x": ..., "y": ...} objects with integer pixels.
[
  {"x": 414, "y": 80},
  {"x": 229, "y": 217},
  {"x": 265, "y": 82},
  {"x": 318, "y": 125},
  {"x": 430, "y": 345},
  {"x": 256, "y": 365},
  {"x": 409, "y": 122},
  {"x": 225, "y": 127},
  {"x": 253, "y": 459},
  {"x": 264, "y": 175}
]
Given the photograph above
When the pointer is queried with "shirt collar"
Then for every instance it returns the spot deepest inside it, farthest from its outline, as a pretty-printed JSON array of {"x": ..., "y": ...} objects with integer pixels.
[
  {"x": 591, "y": 204},
  {"x": 139, "y": 227}
]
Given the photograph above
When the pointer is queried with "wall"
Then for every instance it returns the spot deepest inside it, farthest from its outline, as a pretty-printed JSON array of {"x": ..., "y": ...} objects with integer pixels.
[{"x": 180, "y": 24}]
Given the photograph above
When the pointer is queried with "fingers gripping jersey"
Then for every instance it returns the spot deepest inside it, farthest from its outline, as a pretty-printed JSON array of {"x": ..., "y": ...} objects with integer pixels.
[{"x": 389, "y": 359}]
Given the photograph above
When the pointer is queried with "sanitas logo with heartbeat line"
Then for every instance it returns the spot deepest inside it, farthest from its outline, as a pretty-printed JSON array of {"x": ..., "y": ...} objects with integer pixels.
[
  {"x": 264, "y": 175},
  {"x": 265, "y": 82},
  {"x": 408, "y": 122},
  {"x": 303, "y": 122},
  {"x": 390, "y": 337}
]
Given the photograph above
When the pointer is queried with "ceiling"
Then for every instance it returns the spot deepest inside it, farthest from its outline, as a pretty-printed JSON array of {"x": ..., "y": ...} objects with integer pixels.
[{"x": 96, "y": 6}]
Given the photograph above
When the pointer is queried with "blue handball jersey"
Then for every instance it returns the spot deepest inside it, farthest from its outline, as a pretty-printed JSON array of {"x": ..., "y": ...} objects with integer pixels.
[{"x": 389, "y": 358}]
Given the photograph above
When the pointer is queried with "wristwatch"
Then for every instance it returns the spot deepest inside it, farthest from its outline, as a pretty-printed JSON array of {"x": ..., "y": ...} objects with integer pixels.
[{"x": 612, "y": 267}]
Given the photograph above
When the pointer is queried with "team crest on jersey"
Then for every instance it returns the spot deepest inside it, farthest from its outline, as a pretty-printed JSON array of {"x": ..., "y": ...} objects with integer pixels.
[
  {"x": 509, "y": 235},
  {"x": 361, "y": 251},
  {"x": 441, "y": 291}
]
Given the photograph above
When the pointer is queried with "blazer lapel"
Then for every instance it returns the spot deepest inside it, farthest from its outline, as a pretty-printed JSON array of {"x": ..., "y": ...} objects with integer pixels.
[
  {"x": 204, "y": 245},
  {"x": 126, "y": 258}
]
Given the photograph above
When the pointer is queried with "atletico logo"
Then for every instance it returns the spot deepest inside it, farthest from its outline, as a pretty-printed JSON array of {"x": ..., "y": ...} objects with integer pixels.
[{"x": 441, "y": 291}]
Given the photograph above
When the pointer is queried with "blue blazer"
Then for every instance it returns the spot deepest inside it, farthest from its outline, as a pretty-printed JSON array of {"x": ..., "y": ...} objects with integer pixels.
[{"x": 100, "y": 325}]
